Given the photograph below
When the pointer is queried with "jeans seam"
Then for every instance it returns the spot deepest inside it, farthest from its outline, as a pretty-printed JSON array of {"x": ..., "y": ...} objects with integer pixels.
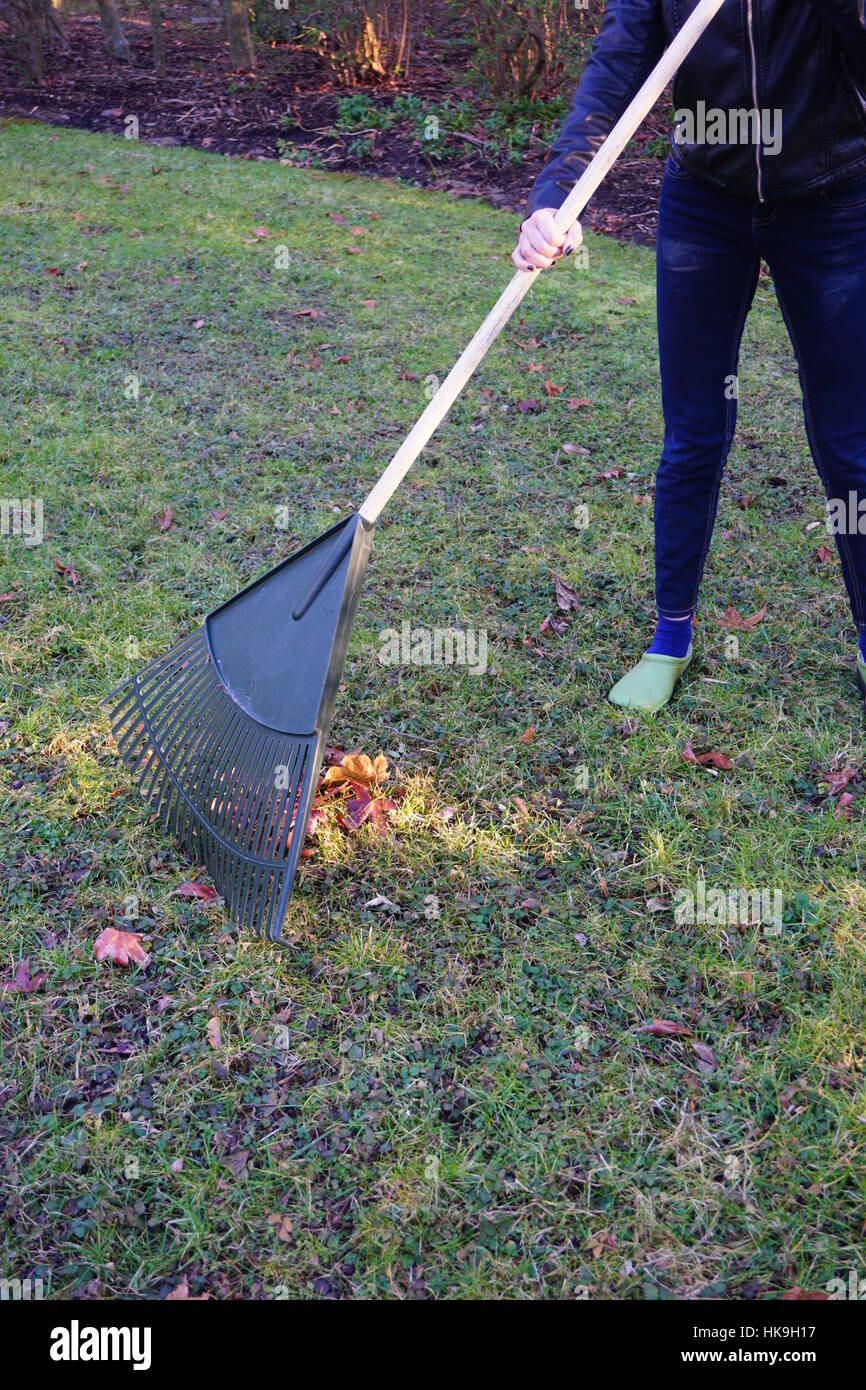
[
  {"x": 729, "y": 438},
  {"x": 853, "y": 582}
]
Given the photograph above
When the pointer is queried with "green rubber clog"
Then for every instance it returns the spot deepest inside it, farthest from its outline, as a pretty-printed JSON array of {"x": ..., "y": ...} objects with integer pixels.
[{"x": 649, "y": 685}]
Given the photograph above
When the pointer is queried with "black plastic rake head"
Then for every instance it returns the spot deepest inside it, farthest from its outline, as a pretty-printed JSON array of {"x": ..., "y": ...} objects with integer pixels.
[{"x": 224, "y": 735}]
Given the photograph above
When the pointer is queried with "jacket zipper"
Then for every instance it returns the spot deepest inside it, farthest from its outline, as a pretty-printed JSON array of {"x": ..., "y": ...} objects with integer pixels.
[{"x": 750, "y": 18}]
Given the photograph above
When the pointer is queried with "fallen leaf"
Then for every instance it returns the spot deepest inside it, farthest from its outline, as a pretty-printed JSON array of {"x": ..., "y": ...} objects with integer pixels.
[
  {"x": 663, "y": 1028},
  {"x": 68, "y": 571},
  {"x": 237, "y": 1162},
  {"x": 657, "y": 904},
  {"x": 823, "y": 554},
  {"x": 528, "y": 736},
  {"x": 176, "y": 1165},
  {"x": 623, "y": 299},
  {"x": 191, "y": 889},
  {"x": 165, "y": 519},
  {"x": 358, "y": 768},
  {"x": 797, "y": 1294},
  {"x": 305, "y": 313},
  {"x": 260, "y": 232},
  {"x": 577, "y": 403},
  {"x": 181, "y": 1293},
  {"x": 839, "y": 778},
  {"x": 551, "y": 390},
  {"x": 213, "y": 1034},
  {"x": 572, "y": 449},
  {"x": 120, "y": 947},
  {"x": 528, "y": 407},
  {"x": 735, "y": 623},
  {"x": 369, "y": 303},
  {"x": 282, "y": 1226},
  {"x": 706, "y": 1057},
  {"x": 843, "y": 806},
  {"x": 21, "y": 982},
  {"x": 366, "y": 809},
  {"x": 598, "y": 1244},
  {"x": 566, "y": 596},
  {"x": 609, "y": 474},
  {"x": 710, "y": 758}
]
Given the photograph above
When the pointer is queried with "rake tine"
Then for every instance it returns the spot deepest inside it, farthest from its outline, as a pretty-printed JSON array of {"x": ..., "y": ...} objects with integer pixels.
[
  {"x": 271, "y": 825},
  {"x": 237, "y": 859},
  {"x": 221, "y": 753},
  {"x": 294, "y": 808},
  {"x": 227, "y": 728},
  {"x": 167, "y": 740},
  {"x": 208, "y": 714},
  {"x": 221, "y": 822},
  {"x": 265, "y": 841},
  {"x": 233, "y": 780}
]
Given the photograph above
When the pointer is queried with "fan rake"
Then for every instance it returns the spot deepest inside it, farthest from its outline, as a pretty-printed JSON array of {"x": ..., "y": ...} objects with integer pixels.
[{"x": 225, "y": 734}]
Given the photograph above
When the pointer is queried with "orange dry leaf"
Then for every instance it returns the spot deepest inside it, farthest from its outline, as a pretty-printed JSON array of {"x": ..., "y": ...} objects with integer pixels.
[
  {"x": 734, "y": 622},
  {"x": 357, "y": 768},
  {"x": 120, "y": 947},
  {"x": 214, "y": 1036}
]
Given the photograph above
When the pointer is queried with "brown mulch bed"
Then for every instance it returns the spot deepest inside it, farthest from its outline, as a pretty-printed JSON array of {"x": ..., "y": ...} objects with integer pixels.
[{"x": 293, "y": 96}]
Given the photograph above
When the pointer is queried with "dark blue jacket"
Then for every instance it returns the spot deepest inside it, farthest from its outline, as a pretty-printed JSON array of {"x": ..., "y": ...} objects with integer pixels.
[{"x": 800, "y": 64}]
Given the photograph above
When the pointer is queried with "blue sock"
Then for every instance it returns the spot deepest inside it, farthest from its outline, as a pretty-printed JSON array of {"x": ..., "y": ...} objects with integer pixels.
[
  {"x": 672, "y": 637},
  {"x": 863, "y": 644}
]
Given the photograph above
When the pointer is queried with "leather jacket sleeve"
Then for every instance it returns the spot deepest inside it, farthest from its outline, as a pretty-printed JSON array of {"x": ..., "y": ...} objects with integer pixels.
[
  {"x": 630, "y": 42},
  {"x": 847, "y": 19}
]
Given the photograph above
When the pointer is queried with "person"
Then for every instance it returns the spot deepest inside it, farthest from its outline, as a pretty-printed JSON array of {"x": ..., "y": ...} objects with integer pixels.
[{"x": 768, "y": 161}]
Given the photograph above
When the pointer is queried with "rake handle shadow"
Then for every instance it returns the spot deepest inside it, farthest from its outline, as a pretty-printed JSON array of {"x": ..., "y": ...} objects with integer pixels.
[{"x": 520, "y": 285}]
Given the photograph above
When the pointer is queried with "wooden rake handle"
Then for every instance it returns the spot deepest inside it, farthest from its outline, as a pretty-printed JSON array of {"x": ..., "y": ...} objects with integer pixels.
[{"x": 508, "y": 301}]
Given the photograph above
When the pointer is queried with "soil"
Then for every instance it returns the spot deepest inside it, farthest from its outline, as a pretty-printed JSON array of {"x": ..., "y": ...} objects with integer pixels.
[{"x": 293, "y": 96}]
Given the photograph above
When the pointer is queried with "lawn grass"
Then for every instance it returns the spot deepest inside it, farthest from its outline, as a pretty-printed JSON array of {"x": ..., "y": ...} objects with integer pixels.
[{"x": 445, "y": 1097}]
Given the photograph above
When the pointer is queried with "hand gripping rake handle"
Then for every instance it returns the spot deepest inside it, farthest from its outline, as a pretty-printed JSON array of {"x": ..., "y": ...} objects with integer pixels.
[{"x": 570, "y": 211}]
